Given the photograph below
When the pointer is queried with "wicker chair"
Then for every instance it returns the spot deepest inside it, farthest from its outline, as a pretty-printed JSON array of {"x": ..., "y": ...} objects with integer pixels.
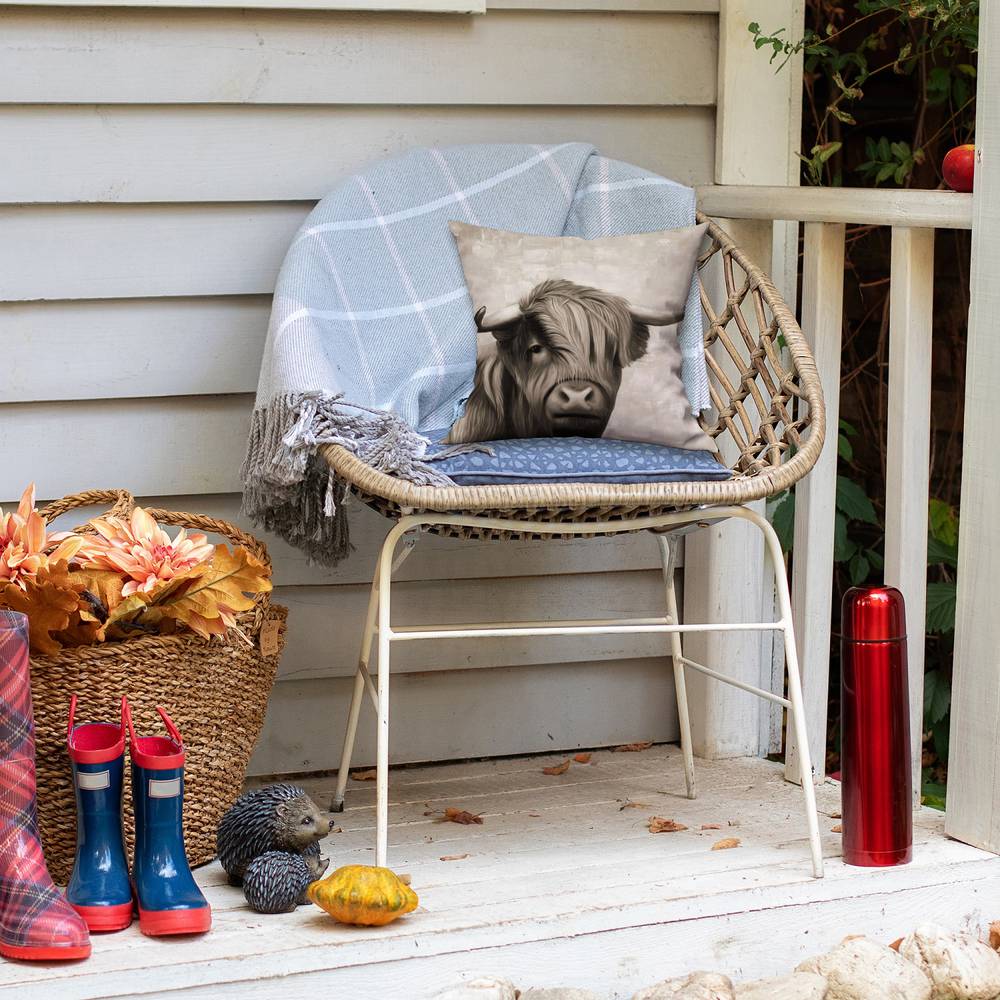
[{"x": 769, "y": 424}]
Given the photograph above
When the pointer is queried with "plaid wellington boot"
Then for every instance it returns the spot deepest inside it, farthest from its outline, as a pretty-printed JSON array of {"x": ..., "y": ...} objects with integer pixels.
[
  {"x": 99, "y": 888},
  {"x": 167, "y": 897},
  {"x": 35, "y": 921}
]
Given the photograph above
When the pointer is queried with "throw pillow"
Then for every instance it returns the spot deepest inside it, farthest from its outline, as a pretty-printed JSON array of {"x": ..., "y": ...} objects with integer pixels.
[{"x": 578, "y": 337}]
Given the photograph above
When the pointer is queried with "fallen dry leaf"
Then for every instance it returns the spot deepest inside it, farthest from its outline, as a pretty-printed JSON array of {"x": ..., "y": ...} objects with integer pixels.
[
  {"x": 836, "y": 829},
  {"x": 557, "y": 768},
  {"x": 632, "y": 747},
  {"x": 405, "y": 877},
  {"x": 337, "y": 829},
  {"x": 535, "y": 815},
  {"x": 463, "y": 816},
  {"x": 995, "y": 935},
  {"x": 454, "y": 857},
  {"x": 364, "y": 775},
  {"x": 835, "y": 815},
  {"x": 659, "y": 824},
  {"x": 633, "y": 805},
  {"x": 582, "y": 758},
  {"x": 895, "y": 944},
  {"x": 711, "y": 826},
  {"x": 727, "y": 843}
]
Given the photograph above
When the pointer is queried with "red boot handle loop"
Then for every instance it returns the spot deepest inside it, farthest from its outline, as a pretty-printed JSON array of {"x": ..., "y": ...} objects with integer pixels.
[
  {"x": 127, "y": 720},
  {"x": 171, "y": 728},
  {"x": 72, "y": 716}
]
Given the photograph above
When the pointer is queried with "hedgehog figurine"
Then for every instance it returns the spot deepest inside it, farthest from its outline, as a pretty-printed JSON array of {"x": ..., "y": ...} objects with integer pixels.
[
  {"x": 278, "y": 817},
  {"x": 276, "y": 882}
]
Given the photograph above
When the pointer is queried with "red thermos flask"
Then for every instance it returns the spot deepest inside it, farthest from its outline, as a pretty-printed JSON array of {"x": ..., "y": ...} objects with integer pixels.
[{"x": 876, "y": 806}]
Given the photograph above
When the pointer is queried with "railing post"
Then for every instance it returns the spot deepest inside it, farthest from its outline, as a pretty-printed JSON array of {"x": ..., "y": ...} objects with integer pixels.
[
  {"x": 815, "y": 496},
  {"x": 911, "y": 301},
  {"x": 973, "y": 813}
]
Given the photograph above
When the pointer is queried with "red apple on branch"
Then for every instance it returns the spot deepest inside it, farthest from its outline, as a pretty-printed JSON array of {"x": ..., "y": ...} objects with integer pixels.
[{"x": 958, "y": 167}]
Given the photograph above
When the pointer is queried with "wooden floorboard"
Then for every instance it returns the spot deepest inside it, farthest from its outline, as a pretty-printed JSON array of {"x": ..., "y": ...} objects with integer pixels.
[{"x": 562, "y": 883}]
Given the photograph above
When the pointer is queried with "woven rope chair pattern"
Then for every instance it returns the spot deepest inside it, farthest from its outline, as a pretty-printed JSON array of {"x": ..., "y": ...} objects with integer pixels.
[{"x": 768, "y": 423}]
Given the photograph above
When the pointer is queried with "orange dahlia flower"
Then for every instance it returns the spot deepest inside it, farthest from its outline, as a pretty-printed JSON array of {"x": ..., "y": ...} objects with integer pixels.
[
  {"x": 141, "y": 550},
  {"x": 26, "y": 546}
]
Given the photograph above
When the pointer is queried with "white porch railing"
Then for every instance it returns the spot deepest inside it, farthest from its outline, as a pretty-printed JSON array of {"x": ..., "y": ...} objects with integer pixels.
[{"x": 913, "y": 216}]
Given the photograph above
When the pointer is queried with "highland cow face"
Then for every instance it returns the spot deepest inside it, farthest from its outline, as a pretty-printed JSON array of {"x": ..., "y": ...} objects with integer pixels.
[{"x": 558, "y": 366}]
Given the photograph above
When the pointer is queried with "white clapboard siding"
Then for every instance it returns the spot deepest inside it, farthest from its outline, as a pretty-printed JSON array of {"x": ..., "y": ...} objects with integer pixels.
[
  {"x": 187, "y": 444},
  {"x": 159, "y": 346},
  {"x": 157, "y": 163},
  {"x": 418, "y": 6},
  {"x": 448, "y": 715},
  {"x": 111, "y": 251},
  {"x": 255, "y": 153},
  {"x": 268, "y": 57},
  {"x": 648, "y": 6}
]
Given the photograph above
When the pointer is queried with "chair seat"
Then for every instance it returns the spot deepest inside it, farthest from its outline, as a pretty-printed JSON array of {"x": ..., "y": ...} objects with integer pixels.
[{"x": 578, "y": 460}]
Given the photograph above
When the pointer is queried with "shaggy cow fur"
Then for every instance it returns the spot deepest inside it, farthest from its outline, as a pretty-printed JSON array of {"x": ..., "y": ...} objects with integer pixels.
[{"x": 557, "y": 366}]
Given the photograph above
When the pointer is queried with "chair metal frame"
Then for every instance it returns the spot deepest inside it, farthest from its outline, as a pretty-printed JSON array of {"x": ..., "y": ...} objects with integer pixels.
[{"x": 378, "y": 627}]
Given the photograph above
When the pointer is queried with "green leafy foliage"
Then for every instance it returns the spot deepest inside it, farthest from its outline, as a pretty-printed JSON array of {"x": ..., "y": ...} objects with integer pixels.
[
  {"x": 941, "y": 606},
  {"x": 940, "y": 35},
  {"x": 853, "y": 502},
  {"x": 943, "y": 522},
  {"x": 782, "y": 514},
  {"x": 937, "y": 696},
  {"x": 932, "y": 794},
  {"x": 893, "y": 161}
]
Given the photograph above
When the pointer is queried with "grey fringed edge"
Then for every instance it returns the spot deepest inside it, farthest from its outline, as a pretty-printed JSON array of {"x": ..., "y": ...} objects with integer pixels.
[{"x": 288, "y": 489}]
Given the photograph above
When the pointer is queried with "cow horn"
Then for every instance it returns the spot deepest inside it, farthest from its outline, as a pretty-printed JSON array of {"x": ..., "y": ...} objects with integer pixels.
[
  {"x": 501, "y": 317},
  {"x": 656, "y": 317}
]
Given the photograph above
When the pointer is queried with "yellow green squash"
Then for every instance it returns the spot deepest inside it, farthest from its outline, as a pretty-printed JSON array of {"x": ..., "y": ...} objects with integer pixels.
[{"x": 363, "y": 894}]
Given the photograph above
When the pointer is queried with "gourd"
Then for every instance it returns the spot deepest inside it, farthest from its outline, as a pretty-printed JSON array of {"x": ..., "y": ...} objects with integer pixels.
[{"x": 363, "y": 894}]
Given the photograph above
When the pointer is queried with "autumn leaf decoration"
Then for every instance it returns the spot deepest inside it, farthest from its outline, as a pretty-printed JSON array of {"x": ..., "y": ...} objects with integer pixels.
[
  {"x": 50, "y": 598},
  {"x": 126, "y": 578},
  {"x": 205, "y": 598}
]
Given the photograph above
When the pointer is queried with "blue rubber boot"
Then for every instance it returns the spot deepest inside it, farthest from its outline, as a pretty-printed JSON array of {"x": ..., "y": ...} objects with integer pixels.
[
  {"x": 169, "y": 900},
  {"x": 99, "y": 888}
]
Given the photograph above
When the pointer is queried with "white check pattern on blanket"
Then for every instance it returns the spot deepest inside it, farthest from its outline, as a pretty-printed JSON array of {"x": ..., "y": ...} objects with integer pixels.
[{"x": 372, "y": 340}]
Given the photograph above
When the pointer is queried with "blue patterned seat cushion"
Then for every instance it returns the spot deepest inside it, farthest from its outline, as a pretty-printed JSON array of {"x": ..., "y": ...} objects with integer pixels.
[{"x": 571, "y": 459}]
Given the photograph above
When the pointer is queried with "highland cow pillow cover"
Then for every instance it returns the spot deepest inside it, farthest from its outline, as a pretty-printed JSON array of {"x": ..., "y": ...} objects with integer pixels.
[{"x": 578, "y": 338}]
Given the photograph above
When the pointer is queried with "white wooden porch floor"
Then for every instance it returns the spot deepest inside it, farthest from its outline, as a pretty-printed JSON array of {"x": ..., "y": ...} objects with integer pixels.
[{"x": 561, "y": 886}]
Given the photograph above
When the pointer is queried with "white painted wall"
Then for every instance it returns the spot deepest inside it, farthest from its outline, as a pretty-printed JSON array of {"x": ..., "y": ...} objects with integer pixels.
[{"x": 155, "y": 165}]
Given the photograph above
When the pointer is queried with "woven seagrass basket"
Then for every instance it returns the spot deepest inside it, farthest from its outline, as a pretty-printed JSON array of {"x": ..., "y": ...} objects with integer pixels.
[{"x": 216, "y": 693}]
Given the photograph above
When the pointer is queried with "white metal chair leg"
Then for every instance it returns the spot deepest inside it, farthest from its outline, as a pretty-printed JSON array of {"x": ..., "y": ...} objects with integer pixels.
[
  {"x": 668, "y": 556},
  {"x": 796, "y": 709},
  {"x": 367, "y": 638},
  {"x": 385, "y": 567}
]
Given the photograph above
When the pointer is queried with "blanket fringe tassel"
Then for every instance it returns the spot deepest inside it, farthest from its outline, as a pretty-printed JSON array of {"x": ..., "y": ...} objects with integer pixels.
[{"x": 289, "y": 490}]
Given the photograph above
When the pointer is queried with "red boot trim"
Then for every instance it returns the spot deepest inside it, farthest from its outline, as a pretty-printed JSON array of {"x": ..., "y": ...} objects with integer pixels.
[
  {"x": 94, "y": 742},
  {"x": 157, "y": 923},
  {"x": 157, "y": 753},
  {"x": 106, "y": 918},
  {"x": 53, "y": 953}
]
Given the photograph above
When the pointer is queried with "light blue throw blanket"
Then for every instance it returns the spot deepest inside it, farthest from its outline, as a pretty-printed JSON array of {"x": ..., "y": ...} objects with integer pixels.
[{"x": 372, "y": 341}]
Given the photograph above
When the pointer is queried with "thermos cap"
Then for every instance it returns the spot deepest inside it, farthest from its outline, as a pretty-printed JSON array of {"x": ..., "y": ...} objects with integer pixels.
[{"x": 873, "y": 614}]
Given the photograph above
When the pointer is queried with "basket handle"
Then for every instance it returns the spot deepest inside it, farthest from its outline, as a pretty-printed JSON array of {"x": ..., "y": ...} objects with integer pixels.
[{"x": 122, "y": 503}]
